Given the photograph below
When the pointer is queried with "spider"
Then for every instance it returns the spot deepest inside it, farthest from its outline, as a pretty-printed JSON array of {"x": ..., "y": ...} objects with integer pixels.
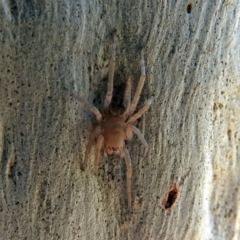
[{"x": 115, "y": 126}]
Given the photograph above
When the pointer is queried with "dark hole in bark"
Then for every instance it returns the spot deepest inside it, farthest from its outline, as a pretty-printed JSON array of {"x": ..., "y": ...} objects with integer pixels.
[
  {"x": 171, "y": 197},
  {"x": 189, "y": 8}
]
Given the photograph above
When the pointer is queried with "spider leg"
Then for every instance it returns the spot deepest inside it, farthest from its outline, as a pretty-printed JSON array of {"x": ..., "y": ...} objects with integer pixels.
[
  {"x": 99, "y": 145},
  {"x": 139, "y": 87},
  {"x": 109, "y": 93},
  {"x": 128, "y": 175},
  {"x": 141, "y": 111},
  {"x": 129, "y": 132},
  {"x": 87, "y": 105},
  {"x": 95, "y": 133},
  {"x": 141, "y": 137}
]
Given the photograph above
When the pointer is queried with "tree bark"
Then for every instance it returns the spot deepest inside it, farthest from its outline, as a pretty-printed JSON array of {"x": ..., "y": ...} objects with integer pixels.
[{"x": 187, "y": 187}]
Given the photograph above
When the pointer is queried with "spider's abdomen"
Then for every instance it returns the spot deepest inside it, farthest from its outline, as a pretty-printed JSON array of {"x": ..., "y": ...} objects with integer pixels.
[{"x": 121, "y": 98}]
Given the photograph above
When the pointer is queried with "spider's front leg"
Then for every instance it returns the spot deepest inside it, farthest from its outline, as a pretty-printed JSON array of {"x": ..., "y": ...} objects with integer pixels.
[
  {"x": 94, "y": 135},
  {"x": 128, "y": 176}
]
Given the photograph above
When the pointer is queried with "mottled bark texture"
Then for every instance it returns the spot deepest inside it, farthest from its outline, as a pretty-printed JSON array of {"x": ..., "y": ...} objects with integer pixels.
[{"x": 188, "y": 185}]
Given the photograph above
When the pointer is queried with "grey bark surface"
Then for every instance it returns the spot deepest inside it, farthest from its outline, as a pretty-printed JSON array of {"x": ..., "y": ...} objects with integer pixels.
[{"x": 192, "y": 53}]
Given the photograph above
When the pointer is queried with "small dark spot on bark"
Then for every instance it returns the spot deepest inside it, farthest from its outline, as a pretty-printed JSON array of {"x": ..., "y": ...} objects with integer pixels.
[
  {"x": 217, "y": 106},
  {"x": 229, "y": 133},
  {"x": 189, "y": 8}
]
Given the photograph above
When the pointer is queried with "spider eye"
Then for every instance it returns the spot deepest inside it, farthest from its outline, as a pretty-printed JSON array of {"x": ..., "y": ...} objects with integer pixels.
[{"x": 114, "y": 150}]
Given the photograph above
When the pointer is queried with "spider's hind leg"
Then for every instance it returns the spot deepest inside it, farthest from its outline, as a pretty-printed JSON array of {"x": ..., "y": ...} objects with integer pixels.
[
  {"x": 109, "y": 94},
  {"x": 139, "y": 86},
  {"x": 128, "y": 176}
]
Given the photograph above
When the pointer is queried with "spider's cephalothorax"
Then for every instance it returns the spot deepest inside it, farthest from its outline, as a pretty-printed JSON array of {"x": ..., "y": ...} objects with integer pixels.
[{"x": 117, "y": 125}]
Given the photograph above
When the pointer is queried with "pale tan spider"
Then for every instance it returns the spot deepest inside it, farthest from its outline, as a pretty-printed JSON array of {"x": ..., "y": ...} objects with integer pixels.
[{"x": 117, "y": 125}]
